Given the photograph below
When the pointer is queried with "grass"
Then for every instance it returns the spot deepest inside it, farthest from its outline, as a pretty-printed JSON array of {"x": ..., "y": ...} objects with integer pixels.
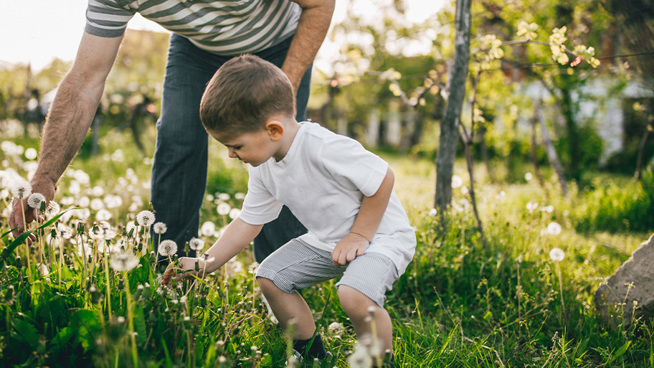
[{"x": 458, "y": 304}]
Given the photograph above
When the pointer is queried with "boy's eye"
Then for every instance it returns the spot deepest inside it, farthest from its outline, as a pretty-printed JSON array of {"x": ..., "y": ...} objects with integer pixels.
[{"x": 237, "y": 147}]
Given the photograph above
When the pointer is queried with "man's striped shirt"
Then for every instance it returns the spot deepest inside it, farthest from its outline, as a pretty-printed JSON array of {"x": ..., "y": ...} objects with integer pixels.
[{"x": 225, "y": 27}]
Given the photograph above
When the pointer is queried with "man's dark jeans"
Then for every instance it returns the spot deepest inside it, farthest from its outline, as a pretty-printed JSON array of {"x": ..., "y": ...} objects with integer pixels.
[{"x": 179, "y": 171}]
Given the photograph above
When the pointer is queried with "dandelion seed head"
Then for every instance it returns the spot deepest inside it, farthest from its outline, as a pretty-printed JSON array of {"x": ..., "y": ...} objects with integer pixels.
[
  {"x": 103, "y": 215},
  {"x": 52, "y": 209},
  {"x": 21, "y": 189},
  {"x": 335, "y": 328},
  {"x": 223, "y": 197},
  {"x": 31, "y": 153},
  {"x": 123, "y": 261},
  {"x": 553, "y": 228},
  {"x": 120, "y": 319},
  {"x": 529, "y": 176},
  {"x": 531, "y": 206},
  {"x": 557, "y": 254},
  {"x": 159, "y": 228},
  {"x": 223, "y": 209},
  {"x": 433, "y": 212},
  {"x": 196, "y": 244},
  {"x": 167, "y": 248},
  {"x": 239, "y": 196},
  {"x": 208, "y": 228},
  {"x": 35, "y": 200},
  {"x": 456, "y": 181},
  {"x": 234, "y": 213},
  {"x": 145, "y": 218}
]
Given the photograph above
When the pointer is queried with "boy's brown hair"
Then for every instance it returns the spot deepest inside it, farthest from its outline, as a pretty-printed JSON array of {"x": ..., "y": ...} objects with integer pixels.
[{"x": 243, "y": 94}]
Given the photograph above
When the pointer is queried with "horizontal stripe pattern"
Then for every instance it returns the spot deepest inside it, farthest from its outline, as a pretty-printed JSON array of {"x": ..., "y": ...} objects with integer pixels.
[{"x": 226, "y": 27}]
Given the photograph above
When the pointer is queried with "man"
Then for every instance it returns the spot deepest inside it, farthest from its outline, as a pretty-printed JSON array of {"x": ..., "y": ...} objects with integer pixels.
[{"x": 205, "y": 35}]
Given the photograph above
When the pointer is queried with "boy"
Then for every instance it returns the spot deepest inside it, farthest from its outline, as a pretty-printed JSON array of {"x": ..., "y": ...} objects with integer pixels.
[{"x": 342, "y": 193}]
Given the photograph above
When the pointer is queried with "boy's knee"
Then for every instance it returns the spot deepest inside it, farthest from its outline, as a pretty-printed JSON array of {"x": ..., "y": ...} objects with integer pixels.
[{"x": 354, "y": 302}]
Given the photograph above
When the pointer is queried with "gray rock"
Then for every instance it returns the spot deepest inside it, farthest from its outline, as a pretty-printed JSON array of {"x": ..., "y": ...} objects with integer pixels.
[{"x": 629, "y": 293}]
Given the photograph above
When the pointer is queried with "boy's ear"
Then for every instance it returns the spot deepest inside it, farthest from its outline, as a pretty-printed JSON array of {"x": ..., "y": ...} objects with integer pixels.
[{"x": 275, "y": 129}]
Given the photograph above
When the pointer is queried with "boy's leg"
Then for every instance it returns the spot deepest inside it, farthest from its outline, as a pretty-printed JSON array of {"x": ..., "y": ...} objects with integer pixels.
[
  {"x": 362, "y": 291},
  {"x": 359, "y": 307},
  {"x": 289, "y": 307},
  {"x": 293, "y": 267}
]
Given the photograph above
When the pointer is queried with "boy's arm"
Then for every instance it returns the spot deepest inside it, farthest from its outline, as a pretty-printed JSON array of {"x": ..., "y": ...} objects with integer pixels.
[
  {"x": 366, "y": 223},
  {"x": 236, "y": 237}
]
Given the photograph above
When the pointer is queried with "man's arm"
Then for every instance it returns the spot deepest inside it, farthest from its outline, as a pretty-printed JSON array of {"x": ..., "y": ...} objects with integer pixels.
[
  {"x": 236, "y": 237},
  {"x": 311, "y": 31},
  {"x": 69, "y": 118},
  {"x": 366, "y": 223}
]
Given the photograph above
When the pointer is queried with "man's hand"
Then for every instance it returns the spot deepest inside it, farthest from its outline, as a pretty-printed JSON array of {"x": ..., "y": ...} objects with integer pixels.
[
  {"x": 30, "y": 214},
  {"x": 350, "y": 247},
  {"x": 184, "y": 268}
]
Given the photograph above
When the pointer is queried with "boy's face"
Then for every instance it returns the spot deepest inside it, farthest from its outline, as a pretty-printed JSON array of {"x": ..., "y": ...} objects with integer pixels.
[{"x": 253, "y": 148}]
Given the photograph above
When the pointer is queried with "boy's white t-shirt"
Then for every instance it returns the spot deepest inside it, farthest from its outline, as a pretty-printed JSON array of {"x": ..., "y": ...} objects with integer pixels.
[{"x": 322, "y": 180}]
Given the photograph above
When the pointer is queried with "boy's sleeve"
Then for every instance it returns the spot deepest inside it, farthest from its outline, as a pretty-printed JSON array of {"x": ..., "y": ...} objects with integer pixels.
[
  {"x": 259, "y": 206},
  {"x": 106, "y": 18},
  {"x": 353, "y": 166}
]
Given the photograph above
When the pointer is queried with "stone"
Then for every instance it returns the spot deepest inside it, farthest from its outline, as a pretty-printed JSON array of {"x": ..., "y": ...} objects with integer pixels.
[{"x": 629, "y": 293}]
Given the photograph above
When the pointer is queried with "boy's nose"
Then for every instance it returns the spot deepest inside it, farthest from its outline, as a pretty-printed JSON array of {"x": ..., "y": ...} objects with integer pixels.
[{"x": 231, "y": 152}]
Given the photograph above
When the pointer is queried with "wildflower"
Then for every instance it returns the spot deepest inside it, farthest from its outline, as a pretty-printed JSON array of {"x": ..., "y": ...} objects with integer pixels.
[
  {"x": 97, "y": 204},
  {"x": 35, "y": 200},
  {"x": 557, "y": 254},
  {"x": 553, "y": 228},
  {"x": 531, "y": 206},
  {"x": 548, "y": 209},
  {"x": 145, "y": 218},
  {"x": 160, "y": 228},
  {"x": 234, "y": 213},
  {"x": 52, "y": 209},
  {"x": 196, "y": 244},
  {"x": 456, "y": 181},
  {"x": 223, "y": 209},
  {"x": 21, "y": 189},
  {"x": 519, "y": 259},
  {"x": 335, "y": 328},
  {"x": 103, "y": 215},
  {"x": 123, "y": 261},
  {"x": 83, "y": 201},
  {"x": 30, "y": 153},
  {"x": 360, "y": 358},
  {"x": 208, "y": 228},
  {"x": 167, "y": 248},
  {"x": 529, "y": 176}
]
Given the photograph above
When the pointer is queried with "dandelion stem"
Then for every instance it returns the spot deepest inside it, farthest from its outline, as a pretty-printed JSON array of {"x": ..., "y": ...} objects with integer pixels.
[
  {"x": 27, "y": 246},
  {"x": 564, "y": 316},
  {"x": 130, "y": 319},
  {"x": 107, "y": 282}
]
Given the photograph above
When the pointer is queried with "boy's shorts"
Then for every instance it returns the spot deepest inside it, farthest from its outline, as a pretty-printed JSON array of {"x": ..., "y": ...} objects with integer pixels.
[{"x": 297, "y": 265}]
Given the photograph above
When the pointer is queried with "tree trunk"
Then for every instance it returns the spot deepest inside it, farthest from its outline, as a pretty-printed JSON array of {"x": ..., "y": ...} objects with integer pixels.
[
  {"x": 551, "y": 152},
  {"x": 641, "y": 152},
  {"x": 457, "y": 82}
]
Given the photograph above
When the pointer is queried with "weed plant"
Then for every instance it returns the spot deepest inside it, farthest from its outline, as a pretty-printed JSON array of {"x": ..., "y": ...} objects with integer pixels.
[{"x": 87, "y": 293}]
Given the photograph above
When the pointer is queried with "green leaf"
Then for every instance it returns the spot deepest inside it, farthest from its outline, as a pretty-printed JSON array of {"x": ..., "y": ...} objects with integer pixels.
[
  {"x": 620, "y": 352},
  {"x": 139, "y": 325},
  {"x": 86, "y": 326},
  {"x": 25, "y": 332},
  {"x": 21, "y": 238},
  {"x": 60, "y": 340}
]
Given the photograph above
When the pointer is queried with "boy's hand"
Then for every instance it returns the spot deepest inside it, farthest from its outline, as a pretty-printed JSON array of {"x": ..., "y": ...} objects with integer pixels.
[
  {"x": 184, "y": 268},
  {"x": 350, "y": 247}
]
